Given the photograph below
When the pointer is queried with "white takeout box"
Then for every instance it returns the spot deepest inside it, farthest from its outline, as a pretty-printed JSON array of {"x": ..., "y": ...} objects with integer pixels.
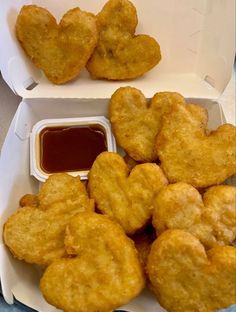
[{"x": 197, "y": 44}]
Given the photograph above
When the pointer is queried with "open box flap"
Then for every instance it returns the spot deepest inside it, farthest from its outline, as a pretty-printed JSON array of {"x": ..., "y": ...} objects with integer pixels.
[{"x": 196, "y": 39}]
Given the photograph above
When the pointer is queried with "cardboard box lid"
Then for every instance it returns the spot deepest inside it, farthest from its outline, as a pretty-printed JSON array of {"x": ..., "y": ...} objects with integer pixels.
[{"x": 196, "y": 39}]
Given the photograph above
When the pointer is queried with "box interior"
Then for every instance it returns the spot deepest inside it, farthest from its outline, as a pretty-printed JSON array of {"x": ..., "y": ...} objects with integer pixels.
[
  {"x": 196, "y": 39},
  {"x": 20, "y": 280}
]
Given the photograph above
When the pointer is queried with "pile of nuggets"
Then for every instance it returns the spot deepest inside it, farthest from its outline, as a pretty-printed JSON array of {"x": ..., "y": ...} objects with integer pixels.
[
  {"x": 105, "y": 44},
  {"x": 170, "y": 226}
]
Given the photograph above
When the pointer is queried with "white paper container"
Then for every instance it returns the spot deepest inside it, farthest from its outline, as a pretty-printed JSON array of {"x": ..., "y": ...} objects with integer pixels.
[
  {"x": 197, "y": 44},
  {"x": 36, "y": 170}
]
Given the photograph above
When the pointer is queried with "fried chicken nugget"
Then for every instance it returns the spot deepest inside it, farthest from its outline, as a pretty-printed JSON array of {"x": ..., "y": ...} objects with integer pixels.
[
  {"x": 190, "y": 154},
  {"x": 37, "y": 235},
  {"x": 61, "y": 51},
  {"x": 212, "y": 219},
  {"x": 220, "y": 203},
  {"x": 120, "y": 54},
  {"x": 187, "y": 278},
  {"x": 126, "y": 198},
  {"x": 136, "y": 123},
  {"x": 104, "y": 274},
  {"x": 61, "y": 187}
]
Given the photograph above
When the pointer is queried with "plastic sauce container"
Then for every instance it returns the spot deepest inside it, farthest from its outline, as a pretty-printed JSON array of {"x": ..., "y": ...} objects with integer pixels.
[{"x": 68, "y": 145}]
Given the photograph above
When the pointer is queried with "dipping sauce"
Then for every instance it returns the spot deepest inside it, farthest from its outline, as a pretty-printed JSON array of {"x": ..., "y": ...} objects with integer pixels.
[{"x": 70, "y": 148}]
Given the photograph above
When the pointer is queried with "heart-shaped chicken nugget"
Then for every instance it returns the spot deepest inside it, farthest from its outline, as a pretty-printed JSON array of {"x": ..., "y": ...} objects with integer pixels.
[
  {"x": 62, "y": 187},
  {"x": 120, "y": 54},
  {"x": 189, "y": 153},
  {"x": 136, "y": 123},
  {"x": 37, "y": 235},
  {"x": 187, "y": 278},
  {"x": 126, "y": 197},
  {"x": 61, "y": 51},
  {"x": 104, "y": 273},
  {"x": 212, "y": 219}
]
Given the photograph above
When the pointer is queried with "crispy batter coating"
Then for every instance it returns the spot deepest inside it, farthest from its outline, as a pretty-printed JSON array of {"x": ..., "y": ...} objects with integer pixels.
[
  {"x": 61, "y": 187},
  {"x": 135, "y": 122},
  {"x": 220, "y": 213},
  {"x": 36, "y": 235},
  {"x": 61, "y": 51},
  {"x": 29, "y": 200},
  {"x": 212, "y": 219},
  {"x": 190, "y": 154},
  {"x": 186, "y": 278},
  {"x": 120, "y": 54},
  {"x": 127, "y": 198},
  {"x": 105, "y": 275}
]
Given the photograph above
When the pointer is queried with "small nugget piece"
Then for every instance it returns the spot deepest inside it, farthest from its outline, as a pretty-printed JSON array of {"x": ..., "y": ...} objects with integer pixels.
[
  {"x": 212, "y": 219},
  {"x": 125, "y": 197},
  {"x": 120, "y": 54},
  {"x": 104, "y": 274},
  {"x": 130, "y": 162},
  {"x": 185, "y": 277},
  {"x": 61, "y": 51},
  {"x": 136, "y": 123},
  {"x": 188, "y": 153},
  {"x": 29, "y": 200}
]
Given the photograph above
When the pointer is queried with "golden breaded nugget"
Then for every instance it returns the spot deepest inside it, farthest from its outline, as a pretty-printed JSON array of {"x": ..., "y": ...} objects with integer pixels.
[
  {"x": 119, "y": 53},
  {"x": 135, "y": 122},
  {"x": 190, "y": 154},
  {"x": 187, "y": 278},
  {"x": 126, "y": 198},
  {"x": 106, "y": 273},
  {"x": 29, "y": 200},
  {"x": 61, "y": 51},
  {"x": 36, "y": 235},
  {"x": 61, "y": 187},
  {"x": 212, "y": 219},
  {"x": 220, "y": 213}
]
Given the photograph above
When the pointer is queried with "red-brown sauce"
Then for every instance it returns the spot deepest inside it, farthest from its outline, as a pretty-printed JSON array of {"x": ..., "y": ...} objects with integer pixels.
[{"x": 70, "y": 148}]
